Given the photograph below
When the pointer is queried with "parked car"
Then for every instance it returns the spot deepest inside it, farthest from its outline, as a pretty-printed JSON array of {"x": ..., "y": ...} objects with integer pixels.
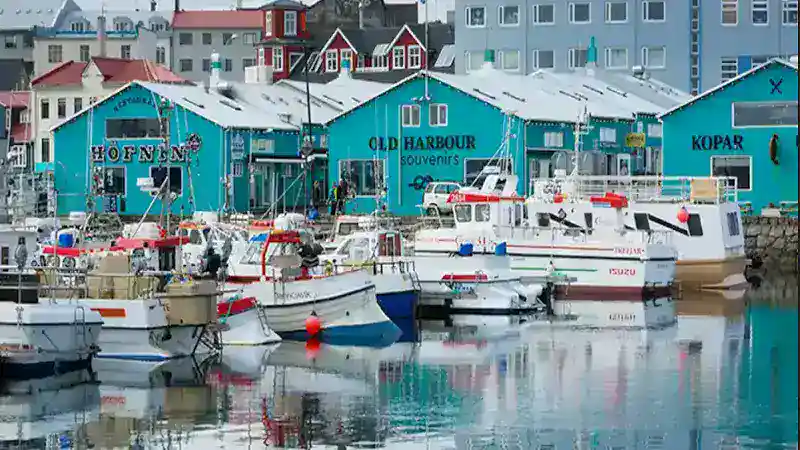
[{"x": 436, "y": 195}]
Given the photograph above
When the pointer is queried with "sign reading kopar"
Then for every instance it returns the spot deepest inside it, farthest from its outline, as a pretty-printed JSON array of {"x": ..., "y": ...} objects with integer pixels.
[
  {"x": 458, "y": 142},
  {"x": 717, "y": 142}
]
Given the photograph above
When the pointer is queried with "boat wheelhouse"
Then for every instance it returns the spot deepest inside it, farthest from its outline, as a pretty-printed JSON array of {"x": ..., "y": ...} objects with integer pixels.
[{"x": 702, "y": 215}]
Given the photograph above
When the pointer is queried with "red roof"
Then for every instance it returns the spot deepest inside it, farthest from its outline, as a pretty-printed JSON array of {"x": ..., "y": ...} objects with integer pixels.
[
  {"x": 218, "y": 19},
  {"x": 114, "y": 70},
  {"x": 15, "y": 99},
  {"x": 21, "y": 132}
]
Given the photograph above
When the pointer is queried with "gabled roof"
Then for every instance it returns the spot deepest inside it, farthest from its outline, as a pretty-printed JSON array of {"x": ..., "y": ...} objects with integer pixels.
[
  {"x": 243, "y": 18},
  {"x": 337, "y": 32},
  {"x": 365, "y": 40},
  {"x": 26, "y": 14},
  {"x": 731, "y": 82},
  {"x": 15, "y": 99},
  {"x": 91, "y": 16},
  {"x": 403, "y": 29},
  {"x": 114, "y": 70}
]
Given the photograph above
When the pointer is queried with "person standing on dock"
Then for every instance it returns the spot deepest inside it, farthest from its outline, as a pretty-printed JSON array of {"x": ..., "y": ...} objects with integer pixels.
[{"x": 334, "y": 198}]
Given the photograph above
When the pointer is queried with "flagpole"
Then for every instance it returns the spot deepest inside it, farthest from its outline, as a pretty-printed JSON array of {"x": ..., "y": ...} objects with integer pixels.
[{"x": 427, "y": 50}]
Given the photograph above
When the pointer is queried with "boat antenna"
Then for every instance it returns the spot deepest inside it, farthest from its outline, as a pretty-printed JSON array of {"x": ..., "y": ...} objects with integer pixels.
[{"x": 581, "y": 129}]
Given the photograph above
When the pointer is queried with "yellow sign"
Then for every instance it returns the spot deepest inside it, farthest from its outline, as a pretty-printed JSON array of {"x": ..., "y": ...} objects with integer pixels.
[{"x": 634, "y": 140}]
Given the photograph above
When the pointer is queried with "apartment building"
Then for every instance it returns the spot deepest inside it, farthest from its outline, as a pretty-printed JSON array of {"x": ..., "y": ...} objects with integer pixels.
[
  {"x": 76, "y": 36},
  {"x": 198, "y": 34},
  {"x": 691, "y": 45}
]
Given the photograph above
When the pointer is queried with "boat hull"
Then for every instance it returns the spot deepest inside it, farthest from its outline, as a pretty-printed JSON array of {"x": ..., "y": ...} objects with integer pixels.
[
  {"x": 396, "y": 295},
  {"x": 241, "y": 324},
  {"x": 712, "y": 274}
]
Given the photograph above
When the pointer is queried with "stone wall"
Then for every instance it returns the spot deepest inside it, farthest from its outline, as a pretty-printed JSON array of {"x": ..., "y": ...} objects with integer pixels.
[{"x": 773, "y": 240}]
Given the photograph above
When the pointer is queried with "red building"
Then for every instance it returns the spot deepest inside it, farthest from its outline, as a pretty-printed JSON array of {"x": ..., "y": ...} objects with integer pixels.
[{"x": 284, "y": 37}]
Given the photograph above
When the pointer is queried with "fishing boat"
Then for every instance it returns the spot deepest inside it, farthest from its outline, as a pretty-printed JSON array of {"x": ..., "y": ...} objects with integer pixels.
[
  {"x": 343, "y": 226},
  {"x": 205, "y": 231},
  {"x": 343, "y": 303},
  {"x": 150, "y": 310},
  {"x": 39, "y": 339},
  {"x": 242, "y": 322}
]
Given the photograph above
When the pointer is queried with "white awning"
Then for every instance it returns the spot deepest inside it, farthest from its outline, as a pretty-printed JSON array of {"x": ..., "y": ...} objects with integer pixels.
[{"x": 380, "y": 50}]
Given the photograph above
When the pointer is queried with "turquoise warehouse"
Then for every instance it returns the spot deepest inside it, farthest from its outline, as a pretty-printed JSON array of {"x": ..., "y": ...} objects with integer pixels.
[
  {"x": 444, "y": 127},
  {"x": 744, "y": 128}
]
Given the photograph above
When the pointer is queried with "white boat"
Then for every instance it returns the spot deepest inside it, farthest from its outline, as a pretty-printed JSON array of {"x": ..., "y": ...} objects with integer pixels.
[
  {"x": 39, "y": 339},
  {"x": 149, "y": 312},
  {"x": 344, "y": 225},
  {"x": 204, "y": 231},
  {"x": 701, "y": 213},
  {"x": 343, "y": 302},
  {"x": 242, "y": 322}
]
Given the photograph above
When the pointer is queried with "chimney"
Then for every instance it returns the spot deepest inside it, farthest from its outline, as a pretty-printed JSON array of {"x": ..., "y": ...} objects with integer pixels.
[
  {"x": 488, "y": 59},
  {"x": 591, "y": 57},
  {"x": 213, "y": 79},
  {"x": 177, "y": 5},
  {"x": 153, "y": 5},
  {"x": 101, "y": 35},
  {"x": 344, "y": 71}
]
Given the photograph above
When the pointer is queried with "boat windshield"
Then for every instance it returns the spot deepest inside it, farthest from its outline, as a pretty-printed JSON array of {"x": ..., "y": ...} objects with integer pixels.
[{"x": 252, "y": 255}]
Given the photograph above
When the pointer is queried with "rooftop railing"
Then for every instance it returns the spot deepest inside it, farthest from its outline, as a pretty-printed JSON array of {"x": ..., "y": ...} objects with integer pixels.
[{"x": 709, "y": 190}]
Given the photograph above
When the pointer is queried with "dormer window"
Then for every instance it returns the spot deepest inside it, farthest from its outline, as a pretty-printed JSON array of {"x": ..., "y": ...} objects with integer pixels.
[
  {"x": 123, "y": 24},
  {"x": 158, "y": 24},
  {"x": 79, "y": 26},
  {"x": 290, "y": 23}
]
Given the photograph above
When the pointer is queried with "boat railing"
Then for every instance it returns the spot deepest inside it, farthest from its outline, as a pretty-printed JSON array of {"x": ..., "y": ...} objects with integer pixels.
[
  {"x": 377, "y": 267},
  {"x": 708, "y": 190},
  {"x": 558, "y": 235}
]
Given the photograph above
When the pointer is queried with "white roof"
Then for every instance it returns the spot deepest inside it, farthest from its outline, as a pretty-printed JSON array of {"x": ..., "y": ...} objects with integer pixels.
[
  {"x": 24, "y": 14},
  {"x": 228, "y": 113},
  {"x": 286, "y": 101},
  {"x": 343, "y": 93}
]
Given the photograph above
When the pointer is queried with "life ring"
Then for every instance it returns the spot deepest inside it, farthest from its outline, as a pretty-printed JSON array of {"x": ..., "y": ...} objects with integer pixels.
[
  {"x": 328, "y": 268},
  {"x": 69, "y": 262}
]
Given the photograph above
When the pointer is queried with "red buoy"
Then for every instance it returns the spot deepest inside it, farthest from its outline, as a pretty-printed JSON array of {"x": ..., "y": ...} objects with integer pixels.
[
  {"x": 312, "y": 348},
  {"x": 683, "y": 215},
  {"x": 313, "y": 325}
]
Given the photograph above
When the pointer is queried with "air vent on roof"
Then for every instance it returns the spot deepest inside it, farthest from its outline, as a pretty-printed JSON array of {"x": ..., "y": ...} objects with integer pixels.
[
  {"x": 193, "y": 103},
  {"x": 519, "y": 99},
  {"x": 617, "y": 91},
  {"x": 484, "y": 94},
  {"x": 593, "y": 89},
  {"x": 356, "y": 100},
  {"x": 286, "y": 117},
  {"x": 283, "y": 100},
  {"x": 231, "y": 105},
  {"x": 333, "y": 99},
  {"x": 572, "y": 96},
  {"x": 267, "y": 98}
]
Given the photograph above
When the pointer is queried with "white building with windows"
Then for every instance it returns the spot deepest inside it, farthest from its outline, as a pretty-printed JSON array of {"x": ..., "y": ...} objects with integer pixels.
[
  {"x": 77, "y": 36},
  {"x": 691, "y": 45}
]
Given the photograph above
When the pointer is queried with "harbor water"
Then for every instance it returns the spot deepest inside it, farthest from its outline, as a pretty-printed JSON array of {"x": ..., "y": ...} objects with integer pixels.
[{"x": 724, "y": 377}]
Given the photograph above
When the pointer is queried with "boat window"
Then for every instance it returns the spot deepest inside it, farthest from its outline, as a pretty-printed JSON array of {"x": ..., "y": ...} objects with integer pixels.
[
  {"x": 518, "y": 214},
  {"x": 733, "y": 224},
  {"x": 482, "y": 213},
  {"x": 166, "y": 259},
  {"x": 359, "y": 250},
  {"x": 344, "y": 249},
  {"x": 695, "y": 225},
  {"x": 642, "y": 221},
  {"x": 253, "y": 254},
  {"x": 543, "y": 219},
  {"x": 195, "y": 237},
  {"x": 4, "y": 256},
  {"x": 587, "y": 217},
  {"x": 463, "y": 213},
  {"x": 346, "y": 228}
]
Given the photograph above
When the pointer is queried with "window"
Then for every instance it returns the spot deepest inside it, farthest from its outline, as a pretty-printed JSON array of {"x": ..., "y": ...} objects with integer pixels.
[
  {"x": 45, "y": 109},
  {"x": 125, "y": 51},
  {"x": 733, "y": 166},
  {"x": 227, "y": 38},
  {"x": 482, "y": 213},
  {"x": 92, "y": 100},
  {"x": 261, "y": 60},
  {"x": 654, "y": 130},
  {"x": 227, "y": 65},
  {"x": 365, "y": 177},
  {"x": 84, "y": 53},
  {"x": 207, "y": 39},
  {"x": 730, "y": 12},
  {"x": 122, "y": 25},
  {"x": 473, "y": 169},
  {"x": 554, "y": 139},
  {"x": 608, "y": 135},
  {"x": 410, "y": 115},
  {"x": 159, "y": 175},
  {"x": 24, "y": 116},
  {"x": 729, "y": 68},
  {"x": 185, "y": 39},
  {"x": 756, "y": 61},
  {"x": 474, "y": 60},
  {"x": 132, "y": 128},
  {"x": 653, "y": 11},
  {"x": 10, "y": 41},
  {"x": 789, "y": 10},
  {"x": 654, "y": 57},
  {"x": 509, "y": 60},
  {"x": 277, "y": 59},
  {"x": 414, "y": 56},
  {"x": 61, "y": 108},
  {"x": 760, "y": 12},
  {"x": 77, "y": 105},
  {"x": 248, "y": 62},
  {"x": 331, "y": 61},
  {"x": 157, "y": 25},
  {"x": 508, "y": 16},
  {"x": 476, "y": 16},
  {"x": 78, "y": 26},
  {"x": 45, "y": 149},
  {"x": 206, "y": 65},
  {"x": 764, "y": 114},
  {"x": 438, "y": 115},
  {"x": 268, "y": 23},
  {"x": 161, "y": 55},
  {"x": 54, "y": 54},
  {"x": 543, "y": 59},
  {"x": 379, "y": 62},
  {"x": 290, "y": 23},
  {"x": 186, "y": 65},
  {"x": 237, "y": 169},
  {"x": 580, "y": 13},
  {"x": 249, "y": 38},
  {"x": 733, "y": 224},
  {"x": 616, "y": 58},
  {"x": 113, "y": 180},
  {"x": 544, "y": 14},
  {"x": 346, "y": 55},
  {"x": 361, "y": 61},
  {"x": 463, "y": 213},
  {"x": 399, "y": 58},
  {"x": 262, "y": 145},
  {"x": 577, "y": 57},
  {"x": 616, "y": 12}
]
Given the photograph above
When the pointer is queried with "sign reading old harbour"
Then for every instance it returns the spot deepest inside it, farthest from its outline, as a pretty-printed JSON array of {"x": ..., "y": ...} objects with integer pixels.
[{"x": 456, "y": 142}]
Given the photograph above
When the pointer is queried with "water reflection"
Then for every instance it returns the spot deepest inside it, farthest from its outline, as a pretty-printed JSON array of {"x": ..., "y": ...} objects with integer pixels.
[{"x": 724, "y": 377}]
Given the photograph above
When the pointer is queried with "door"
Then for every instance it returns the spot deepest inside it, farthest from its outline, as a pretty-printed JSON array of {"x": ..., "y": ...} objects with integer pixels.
[{"x": 539, "y": 170}]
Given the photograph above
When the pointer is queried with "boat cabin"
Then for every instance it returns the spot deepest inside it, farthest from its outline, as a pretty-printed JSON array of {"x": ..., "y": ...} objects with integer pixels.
[
  {"x": 496, "y": 203},
  {"x": 367, "y": 246},
  {"x": 18, "y": 285}
]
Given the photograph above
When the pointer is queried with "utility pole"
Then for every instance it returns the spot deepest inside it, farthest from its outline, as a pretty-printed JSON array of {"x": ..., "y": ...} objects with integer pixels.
[{"x": 165, "y": 108}]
